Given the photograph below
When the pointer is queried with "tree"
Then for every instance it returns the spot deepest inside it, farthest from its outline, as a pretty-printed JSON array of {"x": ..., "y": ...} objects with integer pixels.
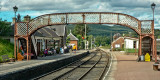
[
  {"x": 5, "y": 28},
  {"x": 80, "y": 41},
  {"x": 157, "y": 33},
  {"x": 102, "y": 40},
  {"x": 79, "y": 29}
]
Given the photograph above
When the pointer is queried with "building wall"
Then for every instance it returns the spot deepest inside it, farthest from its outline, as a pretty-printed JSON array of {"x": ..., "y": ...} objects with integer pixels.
[
  {"x": 12, "y": 40},
  {"x": 119, "y": 42},
  {"x": 129, "y": 44},
  {"x": 74, "y": 42}
]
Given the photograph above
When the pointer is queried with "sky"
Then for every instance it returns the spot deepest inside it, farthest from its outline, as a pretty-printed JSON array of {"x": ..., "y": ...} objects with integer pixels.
[{"x": 140, "y": 9}]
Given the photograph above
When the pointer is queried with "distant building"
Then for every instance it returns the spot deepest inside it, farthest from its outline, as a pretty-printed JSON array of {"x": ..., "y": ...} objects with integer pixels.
[
  {"x": 125, "y": 42},
  {"x": 158, "y": 46},
  {"x": 73, "y": 40},
  {"x": 116, "y": 36},
  {"x": 61, "y": 31}
]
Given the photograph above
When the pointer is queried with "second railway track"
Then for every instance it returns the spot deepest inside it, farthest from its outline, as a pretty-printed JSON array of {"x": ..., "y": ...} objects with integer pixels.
[{"x": 91, "y": 67}]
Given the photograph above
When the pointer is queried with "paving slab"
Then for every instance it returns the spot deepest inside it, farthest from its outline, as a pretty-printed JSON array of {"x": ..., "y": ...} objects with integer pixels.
[
  {"x": 125, "y": 67},
  {"x": 129, "y": 69}
]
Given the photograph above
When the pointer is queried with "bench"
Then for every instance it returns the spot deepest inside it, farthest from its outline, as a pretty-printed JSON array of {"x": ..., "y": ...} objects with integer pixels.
[
  {"x": 5, "y": 58},
  {"x": 155, "y": 66}
]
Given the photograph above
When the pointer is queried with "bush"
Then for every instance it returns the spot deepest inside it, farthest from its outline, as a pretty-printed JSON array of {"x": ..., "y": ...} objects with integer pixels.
[
  {"x": 131, "y": 51},
  {"x": 6, "y": 48},
  {"x": 106, "y": 46},
  {"x": 117, "y": 49}
]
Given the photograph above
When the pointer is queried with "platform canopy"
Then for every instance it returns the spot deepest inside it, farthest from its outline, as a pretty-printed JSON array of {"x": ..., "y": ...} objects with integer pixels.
[{"x": 46, "y": 33}]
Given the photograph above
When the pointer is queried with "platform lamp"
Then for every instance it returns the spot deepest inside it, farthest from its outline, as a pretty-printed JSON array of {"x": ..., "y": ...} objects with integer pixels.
[
  {"x": 15, "y": 8},
  {"x": 153, "y": 7}
]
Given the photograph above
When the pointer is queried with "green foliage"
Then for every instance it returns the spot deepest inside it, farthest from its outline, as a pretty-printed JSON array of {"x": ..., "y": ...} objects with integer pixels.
[
  {"x": 5, "y": 28},
  {"x": 41, "y": 53},
  {"x": 79, "y": 32},
  {"x": 68, "y": 40},
  {"x": 157, "y": 33},
  {"x": 106, "y": 46},
  {"x": 131, "y": 51},
  {"x": 117, "y": 49},
  {"x": 6, "y": 48},
  {"x": 105, "y": 30},
  {"x": 80, "y": 42},
  {"x": 102, "y": 40},
  {"x": 79, "y": 29},
  {"x": 101, "y": 33}
]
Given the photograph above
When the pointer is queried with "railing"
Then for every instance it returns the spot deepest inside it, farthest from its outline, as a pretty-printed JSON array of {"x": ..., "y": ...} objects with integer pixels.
[{"x": 84, "y": 18}]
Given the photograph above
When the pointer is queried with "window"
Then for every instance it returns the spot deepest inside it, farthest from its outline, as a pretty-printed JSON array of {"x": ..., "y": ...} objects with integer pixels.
[
  {"x": 134, "y": 44},
  {"x": 117, "y": 45}
]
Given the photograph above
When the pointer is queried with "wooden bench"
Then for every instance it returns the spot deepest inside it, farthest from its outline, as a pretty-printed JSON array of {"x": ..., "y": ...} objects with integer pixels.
[
  {"x": 155, "y": 67},
  {"x": 5, "y": 58}
]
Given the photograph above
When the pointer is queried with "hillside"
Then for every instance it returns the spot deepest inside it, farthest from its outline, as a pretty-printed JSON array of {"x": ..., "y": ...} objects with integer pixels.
[{"x": 104, "y": 30}]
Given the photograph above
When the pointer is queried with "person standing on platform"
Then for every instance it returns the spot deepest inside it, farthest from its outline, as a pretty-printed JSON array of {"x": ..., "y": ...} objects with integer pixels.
[
  {"x": 55, "y": 51},
  {"x": 74, "y": 48},
  {"x": 22, "y": 51},
  {"x": 62, "y": 50},
  {"x": 45, "y": 52}
]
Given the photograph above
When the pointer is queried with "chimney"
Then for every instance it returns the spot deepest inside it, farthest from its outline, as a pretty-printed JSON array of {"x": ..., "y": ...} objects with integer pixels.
[
  {"x": 27, "y": 18},
  {"x": 13, "y": 20}
]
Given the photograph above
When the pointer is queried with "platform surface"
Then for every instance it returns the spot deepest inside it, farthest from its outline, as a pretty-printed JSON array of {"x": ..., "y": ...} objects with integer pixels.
[
  {"x": 125, "y": 67},
  {"x": 19, "y": 65}
]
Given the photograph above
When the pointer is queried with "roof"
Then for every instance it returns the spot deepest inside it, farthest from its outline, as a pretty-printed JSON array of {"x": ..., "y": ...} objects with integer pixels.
[
  {"x": 46, "y": 32},
  {"x": 117, "y": 39},
  {"x": 60, "y": 29},
  {"x": 131, "y": 38},
  {"x": 72, "y": 37}
]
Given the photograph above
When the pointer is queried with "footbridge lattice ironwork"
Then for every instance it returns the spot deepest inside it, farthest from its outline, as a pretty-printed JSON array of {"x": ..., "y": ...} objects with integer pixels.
[{"x": 142, "y": 27}]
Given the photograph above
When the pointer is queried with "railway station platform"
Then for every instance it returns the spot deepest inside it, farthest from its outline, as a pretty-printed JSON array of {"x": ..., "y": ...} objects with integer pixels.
[
  {"x": 125, "y": 67},
  {"x": 19, "y": 68}
]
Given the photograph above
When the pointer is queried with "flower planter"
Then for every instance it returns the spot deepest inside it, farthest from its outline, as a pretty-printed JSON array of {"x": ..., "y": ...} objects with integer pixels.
[{"x": 12, "y": 60}]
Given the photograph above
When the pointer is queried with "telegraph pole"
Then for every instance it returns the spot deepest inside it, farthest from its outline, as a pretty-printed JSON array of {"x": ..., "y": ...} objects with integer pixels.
[
  {"x": 111, "y": 42},
  {"x": 91, "y": 42},
  {"x": 85, "y": 37}
]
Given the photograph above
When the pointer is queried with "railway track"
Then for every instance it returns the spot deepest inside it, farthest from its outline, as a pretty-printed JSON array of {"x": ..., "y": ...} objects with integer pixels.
[{"x": 91, "y": 67}]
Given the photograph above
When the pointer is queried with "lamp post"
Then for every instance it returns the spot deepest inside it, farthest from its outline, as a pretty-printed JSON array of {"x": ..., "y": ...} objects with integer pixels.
[
  {"x": 15, "y": 8},
  {"x": 154, "y": 40},
  {"x": 153, "y": 7},
  {"x": 85, "y": 36}
]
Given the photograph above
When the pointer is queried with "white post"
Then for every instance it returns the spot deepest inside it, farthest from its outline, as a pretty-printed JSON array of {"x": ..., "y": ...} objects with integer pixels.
[
  {"x": 85, "y": 36},
  {"x": 43, "y": 43}
]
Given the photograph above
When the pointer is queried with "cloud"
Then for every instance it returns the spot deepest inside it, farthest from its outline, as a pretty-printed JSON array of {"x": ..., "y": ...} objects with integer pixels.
[{"x": 138, "y": 8}]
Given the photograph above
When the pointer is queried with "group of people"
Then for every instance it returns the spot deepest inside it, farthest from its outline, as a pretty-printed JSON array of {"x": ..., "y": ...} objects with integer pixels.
[
  {"x": 61, "y": 50},
  {"x": 54, "y": 51}
]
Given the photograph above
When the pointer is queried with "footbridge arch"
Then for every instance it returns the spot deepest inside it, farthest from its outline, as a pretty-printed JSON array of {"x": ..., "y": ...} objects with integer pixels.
[{"x": 141, "y": 27}]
